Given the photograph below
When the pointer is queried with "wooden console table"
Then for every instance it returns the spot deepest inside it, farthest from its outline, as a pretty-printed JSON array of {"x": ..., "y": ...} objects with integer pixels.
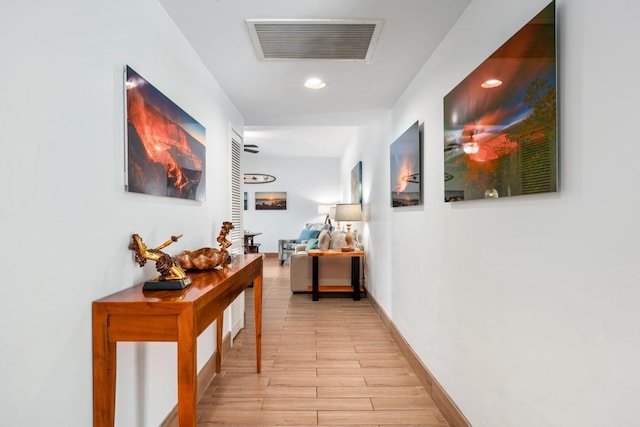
[
  {"x": 136, "y": 315},
  {"x": 355, "y": 269}
]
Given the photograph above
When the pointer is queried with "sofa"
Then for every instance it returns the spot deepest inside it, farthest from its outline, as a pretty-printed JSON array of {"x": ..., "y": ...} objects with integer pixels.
[
  {"x": 287, "y": 247},
  {"x": 332, "y": 271}
]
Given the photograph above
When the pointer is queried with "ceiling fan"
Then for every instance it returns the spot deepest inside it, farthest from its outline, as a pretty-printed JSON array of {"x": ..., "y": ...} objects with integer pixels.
[
  {"x": 251, "y": 148},
  {"x": 465, "y": 143}
]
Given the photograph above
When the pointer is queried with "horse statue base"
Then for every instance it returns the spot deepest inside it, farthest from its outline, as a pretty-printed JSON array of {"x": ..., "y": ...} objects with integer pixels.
[{"x": 166, "y": 285}]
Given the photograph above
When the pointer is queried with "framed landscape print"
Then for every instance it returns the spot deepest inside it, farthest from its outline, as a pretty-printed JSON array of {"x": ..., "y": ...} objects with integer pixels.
[
  {"x": 165, "y": 153},
  {"x": 273, "y": 201},
  {"x": 500, "y": 122},
  {"x": 406, "y": 168}
]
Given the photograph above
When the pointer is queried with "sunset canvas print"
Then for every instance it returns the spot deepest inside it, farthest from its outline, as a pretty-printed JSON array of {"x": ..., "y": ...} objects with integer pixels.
[
  {"x": 272, "y": 200},
  {"x": 165, "y": 146},
  {"x": 500, "y": 125}
]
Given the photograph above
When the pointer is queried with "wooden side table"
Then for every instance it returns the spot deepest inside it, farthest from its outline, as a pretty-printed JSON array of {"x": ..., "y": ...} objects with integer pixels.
[
  {"x": 315, "y": 254},
  {"x": 179, "y": 316},
  {"x": 249, "y": 246}
]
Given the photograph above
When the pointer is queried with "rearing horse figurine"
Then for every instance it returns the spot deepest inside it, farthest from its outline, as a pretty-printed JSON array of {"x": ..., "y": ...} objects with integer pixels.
[{"x": 165, "y": 265}]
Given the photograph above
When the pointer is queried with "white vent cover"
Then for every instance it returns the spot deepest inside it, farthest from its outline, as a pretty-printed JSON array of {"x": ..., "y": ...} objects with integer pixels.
[{"x": 331, "y": 39}]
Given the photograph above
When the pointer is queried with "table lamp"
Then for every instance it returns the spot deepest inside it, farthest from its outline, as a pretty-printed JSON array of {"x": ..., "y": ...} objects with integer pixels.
[
  {"x": 332, "y": 216},
  {"x": 325, "y": 210},
  {"x": 348, "y": 212}
]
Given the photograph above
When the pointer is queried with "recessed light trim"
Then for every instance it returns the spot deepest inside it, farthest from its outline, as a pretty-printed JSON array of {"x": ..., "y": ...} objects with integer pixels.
[
  {"x": 491, "y": 83},
  {"x": 314, "y": 83}
]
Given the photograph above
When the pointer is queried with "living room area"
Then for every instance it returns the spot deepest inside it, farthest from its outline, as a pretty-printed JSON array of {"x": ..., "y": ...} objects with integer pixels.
[{"x": 308, "y": 183}]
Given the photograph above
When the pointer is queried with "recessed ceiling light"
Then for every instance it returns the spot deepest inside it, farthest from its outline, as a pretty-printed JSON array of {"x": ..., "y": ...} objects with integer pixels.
[
  {"x": 314, "y": 84},
  {"x": 491, "y": 83}
]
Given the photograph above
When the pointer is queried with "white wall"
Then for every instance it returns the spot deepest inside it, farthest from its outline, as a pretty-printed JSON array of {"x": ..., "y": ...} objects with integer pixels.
[
  {"x": 65, "y": 219},
  {"x": 308, "y": 182},
  {"x": 370, "y": 147},
  {"x": 525, "y": 308}
]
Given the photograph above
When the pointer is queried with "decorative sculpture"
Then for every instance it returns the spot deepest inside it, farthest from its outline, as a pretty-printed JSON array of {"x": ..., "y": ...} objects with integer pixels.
[
  {"x": 172, "y": 276},
  {"x": 208, "y": 258},
  {"x": 222, "y": 236}
]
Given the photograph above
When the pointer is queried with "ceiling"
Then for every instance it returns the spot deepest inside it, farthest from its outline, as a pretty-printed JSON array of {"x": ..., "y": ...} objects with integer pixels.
[{"x": 270, "y": 94}]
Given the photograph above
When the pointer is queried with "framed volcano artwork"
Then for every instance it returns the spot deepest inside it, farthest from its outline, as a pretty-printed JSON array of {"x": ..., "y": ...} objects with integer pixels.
[
  {"x": 166, "y": 147},
  {"x": 356, "y": 183},
  {"x": 500, "y": 122},
  {"x": 406, "y": 168}
]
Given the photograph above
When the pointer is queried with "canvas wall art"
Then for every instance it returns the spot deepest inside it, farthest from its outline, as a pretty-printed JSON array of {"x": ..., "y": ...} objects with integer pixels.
[
  {"x": 406, "y": 168},
  {"x": 356, "y": 183},
  {"x": 273, "y": 200},
  {"x": 246, "y": 201},
  {"x": 500, "y": 125},
  {"x": 165, "y": 153}
]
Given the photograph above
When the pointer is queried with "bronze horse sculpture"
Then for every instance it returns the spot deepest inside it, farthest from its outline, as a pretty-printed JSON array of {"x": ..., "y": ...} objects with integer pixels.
[
  {"x": 173, "y": 268},
  {"x": 165, "y": 265}
]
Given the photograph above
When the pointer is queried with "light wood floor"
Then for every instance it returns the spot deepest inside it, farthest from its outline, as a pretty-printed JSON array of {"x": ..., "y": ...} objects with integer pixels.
[{"x": 325, "y": 363}]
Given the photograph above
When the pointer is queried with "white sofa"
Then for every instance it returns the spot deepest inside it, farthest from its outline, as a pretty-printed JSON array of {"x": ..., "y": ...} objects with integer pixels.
[{"x": 332, "y": 271}]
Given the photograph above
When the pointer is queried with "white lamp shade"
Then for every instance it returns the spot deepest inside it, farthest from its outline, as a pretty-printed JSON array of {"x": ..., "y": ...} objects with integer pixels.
[{"x": 348, "y": 212}]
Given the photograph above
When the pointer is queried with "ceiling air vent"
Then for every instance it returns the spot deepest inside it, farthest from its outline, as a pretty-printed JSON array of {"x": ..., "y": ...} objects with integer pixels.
[{"x": 332, "y": 39}]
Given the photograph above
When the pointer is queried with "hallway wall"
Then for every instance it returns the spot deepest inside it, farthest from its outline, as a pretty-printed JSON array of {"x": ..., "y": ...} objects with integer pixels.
[
  {"x": 65, "y": 218},
  {"x": 526, "y": 308}
]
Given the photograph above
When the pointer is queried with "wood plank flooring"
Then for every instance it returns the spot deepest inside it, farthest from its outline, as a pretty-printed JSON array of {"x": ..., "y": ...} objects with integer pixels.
[{"x": 324, "y": 363}]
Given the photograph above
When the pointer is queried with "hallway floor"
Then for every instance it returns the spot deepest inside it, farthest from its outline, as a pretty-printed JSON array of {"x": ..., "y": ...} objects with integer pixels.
[{"x": 325, "y": 363}]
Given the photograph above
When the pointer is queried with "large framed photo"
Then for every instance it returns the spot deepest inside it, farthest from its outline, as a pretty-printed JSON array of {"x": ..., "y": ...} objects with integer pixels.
[
  {"x": 406, "y": 168},
  {"x": 166, "y": 147},
  {"x": 500, "y": 122},
  {"x": 356, "y": 183}
]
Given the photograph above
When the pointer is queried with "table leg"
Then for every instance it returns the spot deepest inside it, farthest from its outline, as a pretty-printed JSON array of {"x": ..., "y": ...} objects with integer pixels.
[
  {"x": 314, "y": 279},
  {"x": 219, "y": 321},
  {"x": 104, "y": 373},
  {"x": 187, "y": 381},
  {"x": 355, "y": 277},
  {"x": 257, "y": 311}
]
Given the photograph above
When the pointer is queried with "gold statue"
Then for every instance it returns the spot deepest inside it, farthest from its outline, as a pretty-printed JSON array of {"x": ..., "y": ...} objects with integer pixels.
[
  {"x": 166, "y": 266},
  {"x": 222, "y": 236},
  {"x": 208, "y": 258}
]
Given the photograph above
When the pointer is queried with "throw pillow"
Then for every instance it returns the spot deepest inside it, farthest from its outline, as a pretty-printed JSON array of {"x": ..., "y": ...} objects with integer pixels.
[
  {"x": 317, "y": 226},
  {"x": 324, "y": 239},
  {"x": 312, "y": 244},
  {"x": 305, "y": 235},
  {"x": 338, "y": 240}
]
